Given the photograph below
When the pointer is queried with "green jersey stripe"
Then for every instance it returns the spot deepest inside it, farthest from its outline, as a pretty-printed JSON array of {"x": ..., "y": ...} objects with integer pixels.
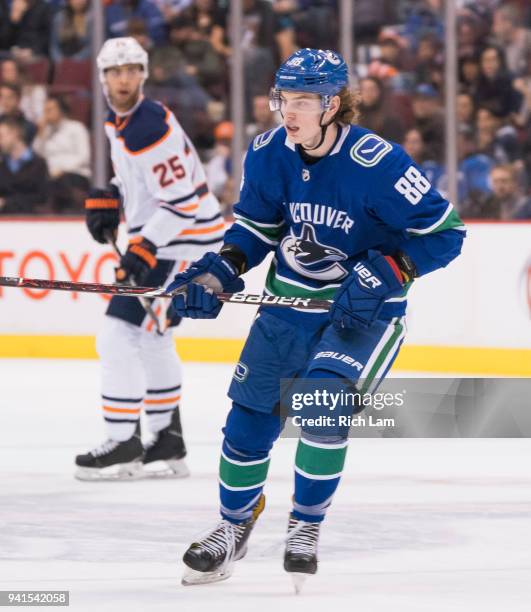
[
  {"x": 284, "y": 288},
  {"x": 449, "y": 220}
]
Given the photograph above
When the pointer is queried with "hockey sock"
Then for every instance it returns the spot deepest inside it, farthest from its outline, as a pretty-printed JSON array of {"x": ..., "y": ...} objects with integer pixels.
[
  {"x": 159, "y": 406},
  {"x": 249, "y": 437},
  {"x": 318, "y": 467},
  {"x": 242, "y": 476}
]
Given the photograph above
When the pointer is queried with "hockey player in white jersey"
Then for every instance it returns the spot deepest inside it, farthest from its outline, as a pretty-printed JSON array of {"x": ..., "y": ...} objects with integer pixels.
[{"x": 171, "y": 218}]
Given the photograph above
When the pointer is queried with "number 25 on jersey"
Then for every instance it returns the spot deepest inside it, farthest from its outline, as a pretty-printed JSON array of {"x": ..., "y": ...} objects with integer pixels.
[{"x": 169, "y": 171}]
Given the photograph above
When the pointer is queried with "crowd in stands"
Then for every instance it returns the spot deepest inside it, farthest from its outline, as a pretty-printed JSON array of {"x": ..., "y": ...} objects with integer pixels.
[{"x": 398, "y": 68}]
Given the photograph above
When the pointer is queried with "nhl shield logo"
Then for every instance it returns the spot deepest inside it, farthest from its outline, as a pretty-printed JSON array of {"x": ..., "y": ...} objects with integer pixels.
[{"x": 305, "y": 174}]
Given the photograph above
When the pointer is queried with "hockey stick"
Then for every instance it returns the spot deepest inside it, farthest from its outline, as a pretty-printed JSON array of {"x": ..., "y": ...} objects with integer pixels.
[
  {"x": 145, "y": 303},
  {"x": 150, "y": 292}
]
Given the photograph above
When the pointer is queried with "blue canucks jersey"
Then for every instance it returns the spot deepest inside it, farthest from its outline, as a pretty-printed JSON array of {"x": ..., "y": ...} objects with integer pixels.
[{"x": 321, "y": 218}]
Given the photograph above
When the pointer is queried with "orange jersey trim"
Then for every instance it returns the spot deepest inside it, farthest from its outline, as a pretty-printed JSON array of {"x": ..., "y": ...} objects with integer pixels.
[
  {"x": 208, "y": 230},
  {"x": 101, "y": 203},
  {"x": 187, "y": 208}
]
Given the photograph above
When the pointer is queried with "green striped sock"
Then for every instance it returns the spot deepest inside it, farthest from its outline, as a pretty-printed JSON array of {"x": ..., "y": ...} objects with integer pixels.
[
  {"x": 239, "y": 475},
  {"x": 320, "y": 461}
]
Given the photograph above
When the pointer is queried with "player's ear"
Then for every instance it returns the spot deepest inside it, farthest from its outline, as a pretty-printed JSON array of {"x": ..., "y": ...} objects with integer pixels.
[{"x": 335, "y": 103}]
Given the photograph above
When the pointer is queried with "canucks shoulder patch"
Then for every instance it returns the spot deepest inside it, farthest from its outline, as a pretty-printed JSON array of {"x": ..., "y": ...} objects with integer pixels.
[
  {"x": 264, "y": 139},
  {"x": 370, "y": 150}
]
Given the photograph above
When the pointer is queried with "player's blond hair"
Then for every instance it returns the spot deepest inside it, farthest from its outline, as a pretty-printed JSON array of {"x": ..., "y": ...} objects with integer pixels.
[{"x": 348, "y": 106}]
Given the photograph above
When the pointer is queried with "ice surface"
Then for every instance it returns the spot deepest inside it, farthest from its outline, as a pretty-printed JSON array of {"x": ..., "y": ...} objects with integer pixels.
[{"x": 417, "y": 525}]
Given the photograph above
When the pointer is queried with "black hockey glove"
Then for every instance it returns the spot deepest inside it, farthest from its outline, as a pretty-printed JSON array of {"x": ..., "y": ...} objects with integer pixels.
[
  {"x": 138, "y": 261},
  {"x": 103, "y": 213}
]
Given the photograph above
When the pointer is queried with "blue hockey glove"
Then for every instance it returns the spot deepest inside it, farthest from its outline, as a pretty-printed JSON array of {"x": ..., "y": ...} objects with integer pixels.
[
  {"x": 203, "y": 279},
  {"x": 360, "y": 298}
]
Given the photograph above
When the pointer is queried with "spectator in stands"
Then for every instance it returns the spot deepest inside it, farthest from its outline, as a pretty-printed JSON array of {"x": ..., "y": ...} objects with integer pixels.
[
  {"x": 505, "y": 202},
  {"x": 469, "y": 74},
  {"x": 376, "y": 110},
  {"x": 371, "y": 16},
  {"x": 23, "y": 174},
  {"x": 429, "y": 120},
  {"x": 474, "y": 167},
  {"x": 170, "y": 84},
  {"x": 263, "y": 118},
  {"x": 391, "y": 64},
  {"x": 219, "y": 168},
  {"x": 137, "y": 28},
  {"x": 119, "y": 12},
  {"x": 465, "y": 109},
  {"x": 514, "y": 39},
  {"x": 315, "y": 21},
  {"x": 414, "y": 146},
  {"x": 495, "y": 89},
  {"x": 422, "y": 17},
  {"x": 25, "y": 28},
  {"x": 523, "y": 85},
  {"x": 33, "y": 96},
  {"x": 171, "y": 8},
  {"x": 264, "y": 29},
  {"x": 497, "y": 138},
  {"x": 10, "y": 99},
  {"x": 470, "y": 31},
  {"x": 65, "y": 145},
  {"x": 428, "y": 60},
  {"x": 211, "y": 22},
  {"x": 72, "y": 31},
  {"x": 200, "y": 59}
]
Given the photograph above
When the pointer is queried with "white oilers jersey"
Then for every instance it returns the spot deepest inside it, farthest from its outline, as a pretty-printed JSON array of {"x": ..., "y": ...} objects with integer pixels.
[{"x": 163, "y": 184}]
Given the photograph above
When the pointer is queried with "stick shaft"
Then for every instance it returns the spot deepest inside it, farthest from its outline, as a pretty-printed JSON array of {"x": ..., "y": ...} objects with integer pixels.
[{"x": 128, "y": 291}]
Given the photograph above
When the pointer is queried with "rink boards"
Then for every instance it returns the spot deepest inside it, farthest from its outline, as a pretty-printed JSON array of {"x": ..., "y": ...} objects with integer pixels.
[{"x": 472, "y": 317}]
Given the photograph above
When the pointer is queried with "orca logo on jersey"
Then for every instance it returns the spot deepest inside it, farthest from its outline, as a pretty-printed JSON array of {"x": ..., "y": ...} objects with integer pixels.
[{"x": 307, "y": 256}]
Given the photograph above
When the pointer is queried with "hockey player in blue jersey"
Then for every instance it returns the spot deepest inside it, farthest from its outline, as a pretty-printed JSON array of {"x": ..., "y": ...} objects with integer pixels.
[{"x": 348, "y": 217}]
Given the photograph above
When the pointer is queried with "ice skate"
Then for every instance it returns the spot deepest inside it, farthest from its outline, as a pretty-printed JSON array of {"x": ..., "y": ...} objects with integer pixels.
[
  {"x": 164, "y": 456},
  {"x": 212, "y": 558},
  {"x": 300, "y": 557},
  {"x": 112, "y": 460}
]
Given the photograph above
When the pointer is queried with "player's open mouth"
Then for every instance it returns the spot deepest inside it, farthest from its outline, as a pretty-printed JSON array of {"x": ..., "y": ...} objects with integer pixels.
[{"x": 292, "y": 130}]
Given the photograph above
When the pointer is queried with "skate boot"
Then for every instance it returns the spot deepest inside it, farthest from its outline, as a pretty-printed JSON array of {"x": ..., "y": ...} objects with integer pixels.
[
  {"x": 300, "y": 557},
  {"x": 212, "y": 558},
  {"x": 112, "y": 460},
  {"x": 164, "y": 456}
]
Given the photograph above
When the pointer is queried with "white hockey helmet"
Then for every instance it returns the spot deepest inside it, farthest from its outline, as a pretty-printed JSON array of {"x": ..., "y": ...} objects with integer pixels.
[{"x": 119, "y": 52}]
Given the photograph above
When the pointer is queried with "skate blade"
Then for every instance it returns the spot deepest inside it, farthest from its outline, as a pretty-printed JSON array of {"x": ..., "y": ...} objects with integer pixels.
[
  {"x": 170, "y": 468},
  {"x": 192, "y": 577},
  {"x": 298, "y": 579},
  {"x": 121, "y": 471}
]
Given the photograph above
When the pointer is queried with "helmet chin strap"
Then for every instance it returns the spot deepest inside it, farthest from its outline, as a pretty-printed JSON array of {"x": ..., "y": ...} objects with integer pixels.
[{"x": 323, "y": 133}]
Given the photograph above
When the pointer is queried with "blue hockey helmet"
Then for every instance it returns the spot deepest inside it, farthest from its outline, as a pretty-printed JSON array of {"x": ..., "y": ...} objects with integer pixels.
[{"x": 314, "y": 71}]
